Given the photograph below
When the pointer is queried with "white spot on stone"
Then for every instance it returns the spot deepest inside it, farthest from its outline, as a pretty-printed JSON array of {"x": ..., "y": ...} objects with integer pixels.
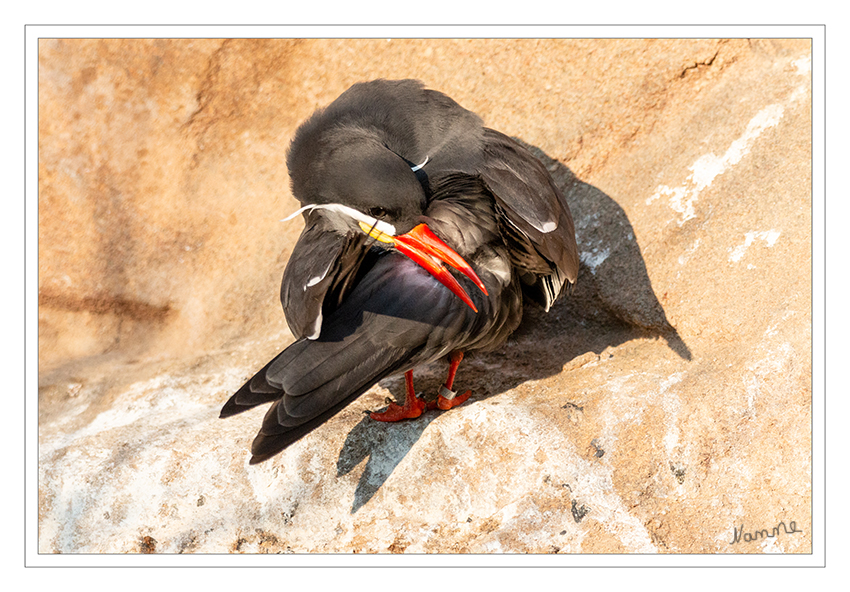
[
  {"x": 587, "y": 221},
  {"x": 799, "y": 93},
  {"x": 594, "y": 258},
  {"x": 769, "y": 236},
  {"x": 683, "y": 258},
  {"x": 771, "y": 545},
  {"x": 707, "y": 167},
  {"x": 803, "y": 65},
  {"x": 672, "y": 404}
]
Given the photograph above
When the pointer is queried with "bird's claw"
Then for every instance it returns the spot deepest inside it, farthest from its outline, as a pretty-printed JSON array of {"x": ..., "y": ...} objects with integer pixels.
[
  {"x": 415, "y": 408},
  {"x": 395, "y": 412}
]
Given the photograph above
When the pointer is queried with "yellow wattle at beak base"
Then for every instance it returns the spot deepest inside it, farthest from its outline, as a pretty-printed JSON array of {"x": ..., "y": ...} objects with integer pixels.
[{"x": 376, "y": 234}]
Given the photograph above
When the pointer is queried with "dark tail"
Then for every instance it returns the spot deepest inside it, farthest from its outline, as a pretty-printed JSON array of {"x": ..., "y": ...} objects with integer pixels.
[
  {"x": 271, "y": 439},
  {"x": 379, "y": 329},
  {"x": 331, "y": 384},
  {"x": 254, "y": 392}
]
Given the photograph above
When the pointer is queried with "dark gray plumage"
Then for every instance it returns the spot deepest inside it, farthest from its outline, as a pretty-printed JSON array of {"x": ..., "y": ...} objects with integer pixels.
[{"x": 360, "y": 310}]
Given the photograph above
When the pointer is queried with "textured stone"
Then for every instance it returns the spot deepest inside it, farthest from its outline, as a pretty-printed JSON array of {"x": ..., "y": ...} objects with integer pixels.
[{"x": 666, "y": 403}]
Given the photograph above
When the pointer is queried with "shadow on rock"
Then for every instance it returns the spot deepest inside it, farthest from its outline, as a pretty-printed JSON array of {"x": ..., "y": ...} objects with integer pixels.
[
  {"x": 611, "y": 303},
  {"x": 385, "y": 447},
  {"x": 612, "y": 278}
]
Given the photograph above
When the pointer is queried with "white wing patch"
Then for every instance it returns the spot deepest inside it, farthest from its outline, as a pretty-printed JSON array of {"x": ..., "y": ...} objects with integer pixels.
[
  {"x": 313, "y": 281},
  {"x": 317, "y": 328}
]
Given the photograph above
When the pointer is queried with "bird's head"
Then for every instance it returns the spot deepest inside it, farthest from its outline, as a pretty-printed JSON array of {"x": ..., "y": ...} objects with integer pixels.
[{"x": 363, "y": 186}]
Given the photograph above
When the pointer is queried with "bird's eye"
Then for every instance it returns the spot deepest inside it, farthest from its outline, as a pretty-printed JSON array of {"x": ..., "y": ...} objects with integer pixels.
[{"x": 377, "y": 213}]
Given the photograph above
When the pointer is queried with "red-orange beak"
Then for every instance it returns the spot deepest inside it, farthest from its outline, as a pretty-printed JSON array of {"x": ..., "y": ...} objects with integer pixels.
[{"x": 426, "y": 249}]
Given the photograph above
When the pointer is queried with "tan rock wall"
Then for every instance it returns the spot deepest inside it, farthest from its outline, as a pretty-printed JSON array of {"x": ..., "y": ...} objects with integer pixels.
[{"x": 687, "y": 165}]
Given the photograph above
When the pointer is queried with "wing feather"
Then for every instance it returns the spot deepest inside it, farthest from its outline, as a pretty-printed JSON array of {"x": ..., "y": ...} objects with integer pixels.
[{"x": 535, "y": 219}]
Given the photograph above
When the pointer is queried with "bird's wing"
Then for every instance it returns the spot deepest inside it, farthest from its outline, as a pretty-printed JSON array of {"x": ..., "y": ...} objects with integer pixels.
[
  {"x": 396, "y": 316},
  {"x": 534, "y": 216},
  {"x": 322, "y": 269}
]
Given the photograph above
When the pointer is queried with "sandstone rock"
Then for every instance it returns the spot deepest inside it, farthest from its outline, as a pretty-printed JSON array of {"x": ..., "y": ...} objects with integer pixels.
[{"x": 662, "y": 406}]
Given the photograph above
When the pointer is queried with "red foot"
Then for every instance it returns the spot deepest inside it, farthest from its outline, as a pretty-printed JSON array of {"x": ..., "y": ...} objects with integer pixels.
[
  {"x": 396, "y": 412},
  {"x": 445, "y": 404},
  {"x": 413, "y": 405}
]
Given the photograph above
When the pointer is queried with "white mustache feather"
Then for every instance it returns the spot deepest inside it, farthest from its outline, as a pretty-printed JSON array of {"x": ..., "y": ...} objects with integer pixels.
[{"x": 380, "y": 225}]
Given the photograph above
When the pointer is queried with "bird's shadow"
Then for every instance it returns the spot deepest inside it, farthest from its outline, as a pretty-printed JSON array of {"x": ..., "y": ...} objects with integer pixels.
[{"x": 612, "y": 302}]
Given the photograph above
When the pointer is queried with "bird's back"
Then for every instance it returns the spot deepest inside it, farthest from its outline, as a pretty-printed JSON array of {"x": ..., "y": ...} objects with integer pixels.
[
  {"x": 393, "y": 153},
  {"x": 396, "y": 317}
]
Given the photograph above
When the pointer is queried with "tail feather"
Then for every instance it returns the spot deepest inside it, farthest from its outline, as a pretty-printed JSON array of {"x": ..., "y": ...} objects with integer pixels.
[
  {"x": 254, "y": 392},
  {"x": 379, "y": 330},
  {"x": 292, "y": 416},
  {"x": 268, "y": 443}
]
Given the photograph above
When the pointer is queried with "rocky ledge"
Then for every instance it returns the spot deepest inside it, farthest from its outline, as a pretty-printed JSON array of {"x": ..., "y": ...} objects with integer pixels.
[{"x": 665, "y": 407}]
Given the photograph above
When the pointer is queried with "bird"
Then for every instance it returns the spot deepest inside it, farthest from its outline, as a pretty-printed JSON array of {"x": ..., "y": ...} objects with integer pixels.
[{"x": 424, "y": 233}]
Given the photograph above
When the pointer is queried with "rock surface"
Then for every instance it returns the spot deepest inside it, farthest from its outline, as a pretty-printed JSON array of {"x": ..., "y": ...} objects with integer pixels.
[{"x": 662, "y": 406}]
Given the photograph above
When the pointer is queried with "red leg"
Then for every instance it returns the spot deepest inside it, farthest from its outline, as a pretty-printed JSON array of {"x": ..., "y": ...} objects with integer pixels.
[
  {"x": 413, "y": 405},
  {"x": 443, "y": 402}
]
